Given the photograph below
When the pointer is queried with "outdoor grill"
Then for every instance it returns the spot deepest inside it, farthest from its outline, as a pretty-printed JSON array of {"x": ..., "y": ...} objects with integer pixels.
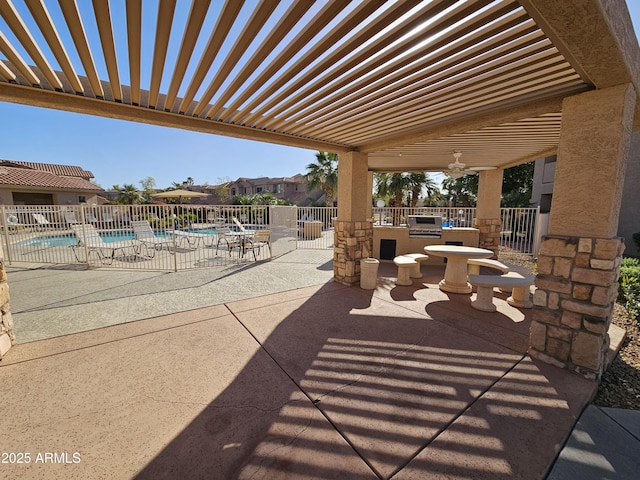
[{"x": 426, "y": 226}]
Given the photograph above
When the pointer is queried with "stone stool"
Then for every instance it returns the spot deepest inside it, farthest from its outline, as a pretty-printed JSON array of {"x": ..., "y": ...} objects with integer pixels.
[
  {"x": 419, "y": 258},
  {"x": 405, "y": 266}
]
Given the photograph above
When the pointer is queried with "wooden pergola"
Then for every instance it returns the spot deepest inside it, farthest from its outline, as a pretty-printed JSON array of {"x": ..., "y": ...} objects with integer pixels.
[{"x": 405, "y": 82}]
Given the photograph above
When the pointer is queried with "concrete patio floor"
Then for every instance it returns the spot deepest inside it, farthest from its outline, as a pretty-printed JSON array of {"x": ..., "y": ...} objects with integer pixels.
[{"x": 318, "y": 382}]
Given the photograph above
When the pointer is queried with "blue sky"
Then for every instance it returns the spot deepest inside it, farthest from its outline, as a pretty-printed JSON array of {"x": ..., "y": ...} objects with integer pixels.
[{"x": 119, "y": 152}]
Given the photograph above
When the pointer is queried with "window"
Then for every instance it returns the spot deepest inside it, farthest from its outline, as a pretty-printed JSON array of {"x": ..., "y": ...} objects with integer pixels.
[
  {"x": 278, "y": 188},
  {"x": 258, "y": 189},
  {"x": 233, "y": 192},
  {"x": 82, "y": 199}
]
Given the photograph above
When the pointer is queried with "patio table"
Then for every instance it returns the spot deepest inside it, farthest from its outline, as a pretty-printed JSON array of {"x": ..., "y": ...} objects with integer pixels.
[{"x": 455, "y": 274}]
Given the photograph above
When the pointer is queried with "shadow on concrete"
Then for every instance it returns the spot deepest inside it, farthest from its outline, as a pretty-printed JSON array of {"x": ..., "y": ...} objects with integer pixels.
[{"x": 348, "y": 384}]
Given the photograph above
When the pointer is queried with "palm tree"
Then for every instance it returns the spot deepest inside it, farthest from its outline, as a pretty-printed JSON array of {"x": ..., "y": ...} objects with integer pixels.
[
  {"x": 393, "y": 185},
  {"x": 129, "y": 195},
  {"x": 324, "y": 175},
  {"x": 419, "y": 181}
]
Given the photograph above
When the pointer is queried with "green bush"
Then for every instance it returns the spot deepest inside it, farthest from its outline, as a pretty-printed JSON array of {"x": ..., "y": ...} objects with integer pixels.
[{"x": 629, "y": 286}]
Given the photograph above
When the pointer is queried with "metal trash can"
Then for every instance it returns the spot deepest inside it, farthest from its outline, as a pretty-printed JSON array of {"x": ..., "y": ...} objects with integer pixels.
[{"x": 369, "y": 273}]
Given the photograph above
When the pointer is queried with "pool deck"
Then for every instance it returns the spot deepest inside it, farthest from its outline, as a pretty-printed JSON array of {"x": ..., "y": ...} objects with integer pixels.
[{"x": 316, "y": 381}]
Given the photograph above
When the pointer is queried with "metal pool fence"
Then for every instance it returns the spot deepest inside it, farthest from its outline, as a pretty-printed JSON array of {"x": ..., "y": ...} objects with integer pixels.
[{"x": 193, "y": 236}]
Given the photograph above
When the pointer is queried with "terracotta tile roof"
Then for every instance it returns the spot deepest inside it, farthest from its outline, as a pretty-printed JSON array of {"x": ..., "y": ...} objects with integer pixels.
[
  {"x": 16, "y": 176},
  {"x": 56, "y": 169}
]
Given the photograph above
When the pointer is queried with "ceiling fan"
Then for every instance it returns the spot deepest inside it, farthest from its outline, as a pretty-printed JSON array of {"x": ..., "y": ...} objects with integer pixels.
[{"x": 457, "y": 169}]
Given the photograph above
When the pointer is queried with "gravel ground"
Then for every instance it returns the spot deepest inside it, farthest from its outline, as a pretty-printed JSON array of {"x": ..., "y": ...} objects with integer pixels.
[{"x": 620, "y": 385}]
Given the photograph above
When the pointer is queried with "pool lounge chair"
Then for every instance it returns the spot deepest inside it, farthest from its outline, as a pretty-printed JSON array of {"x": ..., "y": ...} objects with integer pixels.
[
  {"x": 88, "y": 238},
  {"x": 70, "y": 218},
  {"x": 41, "y": 220},
  {"x": 145, "y": 235}
]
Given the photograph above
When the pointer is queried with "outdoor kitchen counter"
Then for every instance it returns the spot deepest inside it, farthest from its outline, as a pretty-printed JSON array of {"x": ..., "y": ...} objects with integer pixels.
[{"x": 389, "y": 241}]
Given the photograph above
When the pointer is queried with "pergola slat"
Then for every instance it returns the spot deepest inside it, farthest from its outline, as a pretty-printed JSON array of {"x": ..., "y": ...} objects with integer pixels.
[
  {"x": 345, "y": 76},
  {"x": 321, "y": 19},
  {"x": 197, "y": 15},
  {"x": 43, "y": 19},
  {"x": 352, "y": 44},
  {"x": 166, "y": 10},
  {"x": 76, "y": 28},
  {"x": 524, "y": 37},
  {"x": 286, "y": 23},
  {"x": 134, "y": 45},
  {"x": 246, "y": 37},
  {"x": 6, "y": 73},
  {"x": 105, "y": 30},
  {"x": 16, "y": 60},
  {"x": 454, "y": 108},
  {"x": 10, "y": 15},
  {"x": 509, "y": 70},
  {"x": 224, "y": 23}
]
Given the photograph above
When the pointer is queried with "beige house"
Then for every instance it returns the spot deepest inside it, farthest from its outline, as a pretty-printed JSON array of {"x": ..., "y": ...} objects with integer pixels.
[
  {"x": 629, "y": 220},
  {"x": 28, "y": 183},
  {"x": 290, "y": 189}
]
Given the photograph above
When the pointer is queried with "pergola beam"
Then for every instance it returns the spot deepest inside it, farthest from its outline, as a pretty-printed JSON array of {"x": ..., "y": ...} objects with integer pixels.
[{"x": 90, "y": 106}]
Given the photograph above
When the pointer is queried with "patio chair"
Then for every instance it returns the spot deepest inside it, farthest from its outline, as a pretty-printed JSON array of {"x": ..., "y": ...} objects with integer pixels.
[
  {"x": 260, "y": 238},
  {"x": 88, "y": 237},
  {"x": 145, "y": 235},
  {"x": 229, "y": 238}
]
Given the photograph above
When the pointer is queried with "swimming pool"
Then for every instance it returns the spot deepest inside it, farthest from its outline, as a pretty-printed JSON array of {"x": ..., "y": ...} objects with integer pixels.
[{"x": 67, "y": 240}]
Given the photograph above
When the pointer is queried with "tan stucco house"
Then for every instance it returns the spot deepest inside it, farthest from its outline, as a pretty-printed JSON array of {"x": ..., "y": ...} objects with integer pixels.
[{"x": 29, "y": 183}]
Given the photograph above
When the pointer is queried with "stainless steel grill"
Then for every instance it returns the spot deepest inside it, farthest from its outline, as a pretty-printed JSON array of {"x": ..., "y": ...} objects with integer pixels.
[{"x": 427, "y": 226}]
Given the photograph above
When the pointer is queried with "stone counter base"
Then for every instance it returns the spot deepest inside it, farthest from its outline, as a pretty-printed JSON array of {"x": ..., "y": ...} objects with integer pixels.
[{"x": 576, "y": 290}]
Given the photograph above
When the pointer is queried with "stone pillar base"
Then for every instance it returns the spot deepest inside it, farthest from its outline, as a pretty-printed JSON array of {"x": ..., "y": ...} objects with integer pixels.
[
  {"x": 353, "y": 241},
  {"x": 489, "y": 234},
  {"x": 573, "y": 304}
]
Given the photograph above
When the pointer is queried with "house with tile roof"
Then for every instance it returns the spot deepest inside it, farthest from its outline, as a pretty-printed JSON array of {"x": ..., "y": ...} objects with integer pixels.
[
  {"x": 30, "y": 183},
  {"x": 290, "y": 189}
]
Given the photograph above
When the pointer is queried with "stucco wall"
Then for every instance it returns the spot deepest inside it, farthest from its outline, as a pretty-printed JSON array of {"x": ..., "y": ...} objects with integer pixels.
[{"x": 629, "y": 216}]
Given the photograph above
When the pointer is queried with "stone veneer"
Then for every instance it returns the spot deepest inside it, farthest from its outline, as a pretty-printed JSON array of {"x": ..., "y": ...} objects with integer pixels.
[
  {"x": 6, "y": 324},
  {"x": 353, "y": 241},
  {"x": 576, "y": 292},
  {"x": 489, "y": 233}
]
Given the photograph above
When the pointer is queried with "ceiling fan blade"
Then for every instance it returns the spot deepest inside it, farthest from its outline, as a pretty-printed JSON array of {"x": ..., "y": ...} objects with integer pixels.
[{"x": 478, "y": 169}]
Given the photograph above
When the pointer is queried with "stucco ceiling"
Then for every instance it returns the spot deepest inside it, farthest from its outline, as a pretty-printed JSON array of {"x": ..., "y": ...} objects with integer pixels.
[{"x": 407, "y": 82}]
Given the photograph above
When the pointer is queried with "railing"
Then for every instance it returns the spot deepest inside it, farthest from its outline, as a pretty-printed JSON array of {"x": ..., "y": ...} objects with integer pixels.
[
  {"x": 315, "y": 227},
  {"x": 191, "y": 233}
]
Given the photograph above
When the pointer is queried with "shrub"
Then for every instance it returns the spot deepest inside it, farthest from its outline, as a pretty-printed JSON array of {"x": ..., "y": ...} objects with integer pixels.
[{"x": 629, "y": 286}]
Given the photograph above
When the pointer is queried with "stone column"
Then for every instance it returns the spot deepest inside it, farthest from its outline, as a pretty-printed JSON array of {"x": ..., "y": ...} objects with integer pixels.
[
  {"x": 488, "y": 209},
  {"x": 7, "y": 338},
  {"x": 579, "y": 260},
  {"x": 353, "y": 237}
]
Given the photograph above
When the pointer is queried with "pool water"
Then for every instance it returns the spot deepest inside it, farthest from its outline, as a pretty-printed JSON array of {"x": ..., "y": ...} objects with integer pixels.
[{"x": 69, "y": 239}]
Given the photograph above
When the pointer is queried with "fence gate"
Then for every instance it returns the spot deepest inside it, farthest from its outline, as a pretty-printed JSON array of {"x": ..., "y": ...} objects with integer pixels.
[{"x": 284, "y": 225}]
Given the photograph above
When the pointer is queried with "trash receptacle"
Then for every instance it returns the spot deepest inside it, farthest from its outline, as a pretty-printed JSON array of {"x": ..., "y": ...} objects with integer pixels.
[{"x": 369, "y": 273}]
